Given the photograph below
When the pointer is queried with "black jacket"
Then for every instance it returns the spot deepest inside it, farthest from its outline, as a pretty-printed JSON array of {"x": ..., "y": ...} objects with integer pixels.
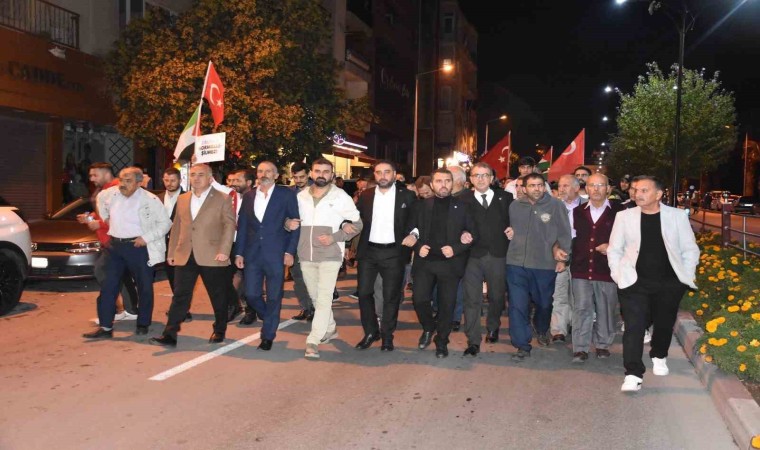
[
  {"x": 402, "y": 218},
  {"x": 491, "y": 223}
]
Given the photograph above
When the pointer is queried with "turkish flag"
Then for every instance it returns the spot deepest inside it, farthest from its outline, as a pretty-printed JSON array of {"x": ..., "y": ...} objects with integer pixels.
[
  {"x": 213, "y": 91},
  {"x": 498, "y": 156},
  {"x": 571, "y": 158}
]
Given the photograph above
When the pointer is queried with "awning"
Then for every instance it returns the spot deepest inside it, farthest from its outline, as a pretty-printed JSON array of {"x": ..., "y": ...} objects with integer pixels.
[{"x": 351, "y": 154}]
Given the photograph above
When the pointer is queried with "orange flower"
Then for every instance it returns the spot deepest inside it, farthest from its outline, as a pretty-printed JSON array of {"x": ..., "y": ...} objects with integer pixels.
[
  {"x": 699, "y": 312},
  {"x": 754, "y": 343},
  {"x": 732, "y": 308},
  {"x": 720, "y": 319},
  {"x": 756, "y": 316},
  {"x": 734, "y": 333},
  {"x": 731, "y": 298},
  {"x": 741, "y": 348},
  {"x": 703, "y": 349},
  {"x": 742, "y": 367},
  {"x": 708, "y": 358}
]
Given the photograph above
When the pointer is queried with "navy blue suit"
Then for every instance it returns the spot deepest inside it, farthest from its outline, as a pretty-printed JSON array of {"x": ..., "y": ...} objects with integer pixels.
[{"x": 263, "y": 245}]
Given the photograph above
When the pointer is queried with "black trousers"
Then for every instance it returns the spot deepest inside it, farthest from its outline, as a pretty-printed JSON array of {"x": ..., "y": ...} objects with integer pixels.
[
  {"x": 491, "y": 270},
  {"x": 215, "y": 279},
  {"x": 387, "y": 263},
  {"x": 647, "y": 303},
  {"x": 429, "y": 274}
]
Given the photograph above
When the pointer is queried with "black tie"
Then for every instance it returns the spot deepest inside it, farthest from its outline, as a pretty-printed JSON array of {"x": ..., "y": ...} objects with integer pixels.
[{"x": 485, "y": 202}]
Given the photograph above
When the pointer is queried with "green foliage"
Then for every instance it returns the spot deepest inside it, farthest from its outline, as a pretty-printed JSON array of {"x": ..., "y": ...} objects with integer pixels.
[
  {"x": 273, "y": 56},
  {"x": 727, "y": 306},
  {"x": 644, "y": 142}
]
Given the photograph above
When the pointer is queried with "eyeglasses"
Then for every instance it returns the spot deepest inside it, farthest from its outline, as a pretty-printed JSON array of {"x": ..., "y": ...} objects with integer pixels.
[{"x": 480, "y": 176}]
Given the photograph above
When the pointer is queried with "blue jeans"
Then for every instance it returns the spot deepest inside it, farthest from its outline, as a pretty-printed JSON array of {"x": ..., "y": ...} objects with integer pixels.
[
  {"x": 125, "y": 256},
  {"x": 255, "y": 272},
  {"x": 526, "y": 285}
]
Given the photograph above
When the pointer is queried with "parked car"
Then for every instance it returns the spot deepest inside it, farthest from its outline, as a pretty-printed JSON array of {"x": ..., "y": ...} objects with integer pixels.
[
  {"x": 15, "y": 257},
  {"x": 63, "y": 248},
  {"x": 719, "y": 198},
  {"x": 746, "y": 204}
]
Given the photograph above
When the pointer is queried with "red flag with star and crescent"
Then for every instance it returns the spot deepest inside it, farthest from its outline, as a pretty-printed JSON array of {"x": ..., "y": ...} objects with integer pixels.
[
  {"x": 571, "y": 158},
  {"x": 498, "y": 156},
  {"x": 213, "y": 92}
]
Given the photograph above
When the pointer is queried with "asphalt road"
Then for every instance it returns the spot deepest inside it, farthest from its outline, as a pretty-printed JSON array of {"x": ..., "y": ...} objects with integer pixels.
[
  {"x": 739, "y": 222},
  {"x": 58, "y": 391}
]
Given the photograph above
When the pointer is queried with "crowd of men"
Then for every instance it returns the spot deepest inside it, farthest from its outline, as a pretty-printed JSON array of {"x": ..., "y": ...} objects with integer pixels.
[{"x": 565, "y": 264}]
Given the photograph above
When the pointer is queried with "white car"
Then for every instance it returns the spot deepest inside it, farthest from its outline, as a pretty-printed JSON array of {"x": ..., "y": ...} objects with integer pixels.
[{"x": 15, "y": 257}]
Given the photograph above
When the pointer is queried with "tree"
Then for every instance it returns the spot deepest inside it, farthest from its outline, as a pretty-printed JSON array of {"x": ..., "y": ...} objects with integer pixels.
[
  {"x": 644, "y": 142},
  {"x": 281, "y": 98}
]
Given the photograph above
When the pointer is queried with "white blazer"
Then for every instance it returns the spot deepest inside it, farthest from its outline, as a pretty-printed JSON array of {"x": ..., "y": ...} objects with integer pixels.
[{"x": 625, "y": 242}]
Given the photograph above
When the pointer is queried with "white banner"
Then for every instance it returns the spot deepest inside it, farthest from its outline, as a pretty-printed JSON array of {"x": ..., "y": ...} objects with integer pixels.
[{"x": 210, "y": 147}]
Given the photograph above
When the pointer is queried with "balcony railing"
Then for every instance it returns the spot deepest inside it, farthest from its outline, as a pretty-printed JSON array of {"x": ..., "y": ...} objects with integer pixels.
[{"x": 41, "y": 18}]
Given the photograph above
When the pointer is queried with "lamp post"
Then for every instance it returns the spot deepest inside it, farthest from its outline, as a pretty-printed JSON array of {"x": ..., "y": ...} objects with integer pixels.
[
  {"x": 447, "y": 67},
  {"x": 501, "y": 117},
  {"x": 683, "y": 19}
]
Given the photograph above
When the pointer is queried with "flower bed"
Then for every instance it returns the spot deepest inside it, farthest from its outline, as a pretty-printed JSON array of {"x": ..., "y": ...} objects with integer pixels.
[{"x": 727, "y": 306}]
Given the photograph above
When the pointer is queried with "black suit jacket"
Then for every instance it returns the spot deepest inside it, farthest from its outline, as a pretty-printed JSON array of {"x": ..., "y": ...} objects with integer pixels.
[
  {"x": 402, "y": 218},
  {"x": 490, "y": 223},
  {"x": 459, "y": 219}
]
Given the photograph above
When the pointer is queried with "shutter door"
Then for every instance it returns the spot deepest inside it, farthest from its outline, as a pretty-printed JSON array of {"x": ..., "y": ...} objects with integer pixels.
[{"x": 22, "y": 165}]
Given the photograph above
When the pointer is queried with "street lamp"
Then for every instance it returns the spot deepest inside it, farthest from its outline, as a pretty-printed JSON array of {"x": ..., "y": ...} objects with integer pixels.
[
  {"x": 684, "y": 20},
  {"x": 446, "y": 67},
  {"x": 501, "y": 117}
]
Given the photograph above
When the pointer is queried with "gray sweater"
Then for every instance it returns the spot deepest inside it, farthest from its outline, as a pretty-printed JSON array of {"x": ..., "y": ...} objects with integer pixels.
[{"x": 537, "y": 227}]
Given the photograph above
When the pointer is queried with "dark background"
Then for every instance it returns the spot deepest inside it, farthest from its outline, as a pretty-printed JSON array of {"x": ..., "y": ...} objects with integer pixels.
[{"x": 556, "y": 56}]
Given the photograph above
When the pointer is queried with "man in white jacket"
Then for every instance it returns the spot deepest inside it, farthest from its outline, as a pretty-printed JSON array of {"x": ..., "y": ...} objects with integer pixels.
[
  {"x": 138, "y": 223},
  {"x": 328, "y": 218},
  {"x": 652, "y": 256}
]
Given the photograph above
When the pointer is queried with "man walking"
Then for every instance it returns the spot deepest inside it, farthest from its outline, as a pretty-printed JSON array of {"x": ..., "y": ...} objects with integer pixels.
[
  {"x": 538, "y": 222},
  {"x": 200, "y": 242},
  {"x": 490, "y": 210},
  {"x": 138, "y": 224},
  {"x": 439, "y": 259},
  {"x": 264, "y": 247},
  {"x": 652, "y": 256},
  {"x": 241, "y": 182},
  {"x": 329, "y": 218},
  {"x": 594, "y": 293},
  {"x": 386, "y": 212},
  {"x": 301, "y": 181}
]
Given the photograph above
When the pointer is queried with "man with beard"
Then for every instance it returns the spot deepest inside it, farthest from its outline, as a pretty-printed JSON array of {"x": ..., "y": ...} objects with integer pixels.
[
  {"x": 386, "y": 211},
  {"x": 440, "y": 258},
  {"x": 301, "y": 181},
  {"x": 329, "y": 218},
  {"x": 538, "y": 221},
  {"x": 241, "y": 182},
  {"x": 263, "y": 246}
]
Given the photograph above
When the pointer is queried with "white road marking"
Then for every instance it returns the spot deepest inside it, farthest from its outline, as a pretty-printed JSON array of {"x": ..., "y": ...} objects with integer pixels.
[{"x": 211, "y": 355}]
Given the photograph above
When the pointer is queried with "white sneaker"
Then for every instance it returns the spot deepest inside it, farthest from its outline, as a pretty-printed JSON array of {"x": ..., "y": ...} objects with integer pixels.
[
  {"x": 632, "y": 383},
  {"x": 329, "y": 337},
  {"x": 124, "y": 315},
  {"x": 311, "y": 351},
  {"x": 647, "y": 336},
  {"x": 660, "y": 366}
]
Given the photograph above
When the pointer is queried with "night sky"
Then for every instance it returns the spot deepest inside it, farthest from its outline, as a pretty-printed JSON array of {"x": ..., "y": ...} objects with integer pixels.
[{"x": 557, "y": 56}]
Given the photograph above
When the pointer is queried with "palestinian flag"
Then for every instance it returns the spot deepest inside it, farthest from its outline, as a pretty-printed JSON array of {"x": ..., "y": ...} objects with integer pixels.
[
  {"x": 186, "y": 143},
  {"x": 546, "y": 161}
]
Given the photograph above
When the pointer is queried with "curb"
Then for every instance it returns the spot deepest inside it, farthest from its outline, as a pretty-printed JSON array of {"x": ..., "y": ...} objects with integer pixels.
[{"x": 734, "y": 402}]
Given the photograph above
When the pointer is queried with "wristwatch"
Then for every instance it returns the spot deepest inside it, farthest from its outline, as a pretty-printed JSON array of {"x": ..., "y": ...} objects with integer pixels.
[{"x": 416, "y": 236}]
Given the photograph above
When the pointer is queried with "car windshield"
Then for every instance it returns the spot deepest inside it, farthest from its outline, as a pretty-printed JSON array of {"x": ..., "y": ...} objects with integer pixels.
[{"x": 72, "y": 209}]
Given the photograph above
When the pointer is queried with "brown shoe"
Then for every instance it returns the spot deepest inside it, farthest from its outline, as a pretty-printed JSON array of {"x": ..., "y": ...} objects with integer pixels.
[
  {"x": 580, "y": 357},
  {"x": 558, "y": 338},
  {"x": 602, "y": 353}
]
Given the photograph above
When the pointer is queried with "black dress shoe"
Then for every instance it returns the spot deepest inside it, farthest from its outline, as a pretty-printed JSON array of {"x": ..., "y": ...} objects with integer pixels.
[
  {"x": 164, "y": 340},
  {"x": 233, "y": 311},
  {"x": 387, "y": 345},
  {"x": 492, "y": 336},
  {"x": 305, "y": 314},
  {"x": 425, "y": 339},
  {"x": 455, "y": 325},
  {"x": 99, "y": 334},
  {"x": 441, "y": 351},
  {"x": 216, "y": 338},
  {"x": 249, "y": 318},
  {"x": 141, "y": 329},
  {"x": 472, "y": 350},
  {"x": 367, "y": 341},
  {"x": 188, "y": 317},
  {"x": 266, "y": 344}
]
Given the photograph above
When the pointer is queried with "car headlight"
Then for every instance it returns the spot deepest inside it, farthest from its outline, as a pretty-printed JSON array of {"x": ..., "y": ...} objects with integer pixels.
[{"x": 84, "y": 247}]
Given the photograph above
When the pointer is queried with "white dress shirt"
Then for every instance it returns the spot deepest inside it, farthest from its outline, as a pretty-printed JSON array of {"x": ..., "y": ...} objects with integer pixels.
[
  {"x": 570, "y": 207},
  {"x": 197, "y": 201},
  {"x": 479, "y": 196},
  {"x": 261, "y": 202},
  {"x": 383, "y": 213},
  {"x": 170, "y": 200},
  {"x": 596, "y": 213},
  {"x": 124, "y": 216}
]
